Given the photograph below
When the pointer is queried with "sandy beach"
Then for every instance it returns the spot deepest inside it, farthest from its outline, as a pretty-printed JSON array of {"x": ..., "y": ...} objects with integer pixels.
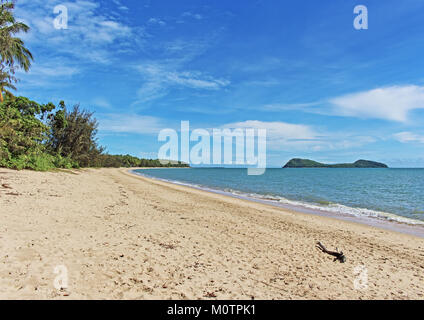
[{"x": 121, "y": 236}]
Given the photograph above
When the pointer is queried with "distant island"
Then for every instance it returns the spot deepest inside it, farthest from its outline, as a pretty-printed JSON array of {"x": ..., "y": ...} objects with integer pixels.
[{"x": 306, "y": 163}]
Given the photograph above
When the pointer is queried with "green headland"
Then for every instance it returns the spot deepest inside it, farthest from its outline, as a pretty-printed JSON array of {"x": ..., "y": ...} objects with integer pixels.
[{"x": 306, "y": 163}]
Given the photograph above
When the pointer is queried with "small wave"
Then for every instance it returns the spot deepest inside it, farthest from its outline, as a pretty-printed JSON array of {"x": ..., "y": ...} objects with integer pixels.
[
  {"x": 357, "y": 212},
  {"x": 321, "y": 206}
]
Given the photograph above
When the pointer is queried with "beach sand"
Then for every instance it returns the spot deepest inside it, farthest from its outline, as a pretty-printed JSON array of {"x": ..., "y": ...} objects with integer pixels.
[{"x": 121, "y": 236}]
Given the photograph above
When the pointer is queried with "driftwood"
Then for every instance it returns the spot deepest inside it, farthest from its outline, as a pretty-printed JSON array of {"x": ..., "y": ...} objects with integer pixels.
[{"x": 338, "y": 255}]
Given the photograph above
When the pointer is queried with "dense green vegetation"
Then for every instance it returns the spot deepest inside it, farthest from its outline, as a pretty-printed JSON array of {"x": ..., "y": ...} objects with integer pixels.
[
  {"x": 106, "y": 160},
  {"x": 45, "y": 136},
  {"x": 24, "y": 136},
  {"x": 306, "y": 163}
]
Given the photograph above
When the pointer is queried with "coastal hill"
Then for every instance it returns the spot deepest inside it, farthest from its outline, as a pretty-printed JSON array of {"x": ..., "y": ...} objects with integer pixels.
[{"x": 306, "y": 163}]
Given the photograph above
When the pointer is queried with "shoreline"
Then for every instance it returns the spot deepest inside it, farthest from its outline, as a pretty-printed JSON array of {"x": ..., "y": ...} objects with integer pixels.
[
  {"x": 122, "y": 236},
  {"x": 390, "y": 225}
]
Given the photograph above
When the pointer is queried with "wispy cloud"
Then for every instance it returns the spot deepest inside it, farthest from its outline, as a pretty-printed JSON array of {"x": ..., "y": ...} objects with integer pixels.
[
  {"x": 130, "y": 123},
  {"x": 282, "y": 136},
  {"x": 92, "y": 40},
  {"x": 57, "y": 70},
  {"x": 120, "y": 5},
  {"x": 159, "y": 78},
  {"x": 409, "y": 137},
  {"x": 196, "y": 16},
  {"x": 156, "y": 21},
  {"x": 90, "y": 33},
  {"x": 389, "y": 103},
  {"x": 102, "y": 103},
  {"x": 277, "y": 107},
  {"x": 394, "y": 103},
  {"x": 54, "y": 73}
]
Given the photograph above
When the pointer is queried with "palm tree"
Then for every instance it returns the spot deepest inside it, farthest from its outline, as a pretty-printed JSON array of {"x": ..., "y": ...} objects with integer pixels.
[
  {"x": 6, "y": 81},
  {"x": 13, "y": 52}
]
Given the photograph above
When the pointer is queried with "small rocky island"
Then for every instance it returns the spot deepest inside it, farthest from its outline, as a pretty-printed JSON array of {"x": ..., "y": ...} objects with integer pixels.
[{"x": 306, "y": 163}]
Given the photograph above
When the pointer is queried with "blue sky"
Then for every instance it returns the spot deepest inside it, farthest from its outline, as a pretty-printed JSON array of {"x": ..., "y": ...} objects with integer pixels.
[{"x": 321, "y": 88}]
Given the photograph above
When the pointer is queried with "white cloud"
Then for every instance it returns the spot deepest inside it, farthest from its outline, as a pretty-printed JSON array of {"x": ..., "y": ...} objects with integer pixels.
[
  {"x": 394, "y": 103},
  {"x": 90, "y": 32},
  {"x": 130, "y": 123},
  {"x": 195, "y": 80},
  {"x": 409, "y": 137},
  {"x": 389, "y": 103},
  {"x": 101, "y": 102},
  {"x": 280, "y": 130},
  {"x": 57, "y": 71},
  {"x": 159, "y": 78},
  {"x": 196, "y": 16},
  {"x": 120, "y": 5},
  {"x": 51, "y": 74},
  {"x": 93, "y": 37},
  {"x": 157, "y": 21},
  {"x": 282, "y": 136},
  {"x": 278, "y": 107}
]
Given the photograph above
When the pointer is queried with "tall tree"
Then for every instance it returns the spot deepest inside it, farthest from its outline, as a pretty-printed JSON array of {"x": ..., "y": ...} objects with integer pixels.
[
  {"x": 13, "y": 52},
  {"x": 6, "y": 81},
  {"x": 21, "y": 130},
  {"x": 73, "y": 135}
]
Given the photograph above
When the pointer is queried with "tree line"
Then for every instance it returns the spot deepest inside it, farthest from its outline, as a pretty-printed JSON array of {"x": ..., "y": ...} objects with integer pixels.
[{"x": 45, "y": 136}]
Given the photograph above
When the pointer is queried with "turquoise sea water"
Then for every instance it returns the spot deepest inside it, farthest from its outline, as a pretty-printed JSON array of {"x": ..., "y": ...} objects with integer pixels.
[{"x": 393, "y": 194}]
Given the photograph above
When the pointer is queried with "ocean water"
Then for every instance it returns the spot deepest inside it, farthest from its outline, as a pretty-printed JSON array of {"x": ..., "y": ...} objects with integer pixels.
[{"x": 390, "y": 194}]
